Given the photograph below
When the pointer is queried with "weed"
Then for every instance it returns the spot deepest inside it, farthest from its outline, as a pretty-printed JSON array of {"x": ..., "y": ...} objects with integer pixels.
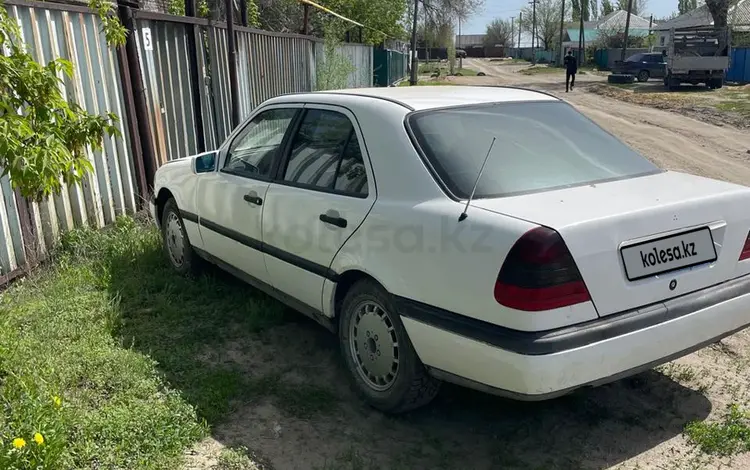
[
  {"x": 728, "y": 436},
  {"x": 237, "y": 459}
]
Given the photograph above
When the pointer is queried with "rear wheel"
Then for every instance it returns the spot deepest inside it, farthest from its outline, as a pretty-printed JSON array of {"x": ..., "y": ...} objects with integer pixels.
[
  {"x": 380, "y": 359},
  {"x": 176, "y": 243},
  {"x": 643, "y": 76}
]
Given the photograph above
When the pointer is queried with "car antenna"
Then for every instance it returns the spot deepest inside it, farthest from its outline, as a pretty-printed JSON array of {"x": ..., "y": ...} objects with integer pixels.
[{"x": 463, "y": 215}]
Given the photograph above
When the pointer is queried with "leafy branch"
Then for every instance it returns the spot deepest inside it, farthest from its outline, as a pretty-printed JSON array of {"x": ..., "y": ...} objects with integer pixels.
[
  {"x": 115, "y": 33},
  {"x": 43, "y": 138}
]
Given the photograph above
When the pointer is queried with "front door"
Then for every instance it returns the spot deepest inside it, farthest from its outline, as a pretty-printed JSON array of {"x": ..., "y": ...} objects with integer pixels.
[
  {"x": 231, "y": 200},
  {"x": 323, "y": 191}
]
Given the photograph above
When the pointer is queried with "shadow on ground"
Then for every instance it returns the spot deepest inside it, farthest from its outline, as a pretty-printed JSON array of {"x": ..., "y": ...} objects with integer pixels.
[{"x": 268, "y": 379}]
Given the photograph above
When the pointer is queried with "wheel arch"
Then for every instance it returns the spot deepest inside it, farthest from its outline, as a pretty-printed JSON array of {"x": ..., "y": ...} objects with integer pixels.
[
  {"x": 345, "y": 281},
  {"x": 161, "y": 199}
]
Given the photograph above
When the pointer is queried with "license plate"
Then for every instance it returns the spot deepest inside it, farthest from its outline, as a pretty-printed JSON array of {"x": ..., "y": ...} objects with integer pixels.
[{"x": 668, "y": 253}]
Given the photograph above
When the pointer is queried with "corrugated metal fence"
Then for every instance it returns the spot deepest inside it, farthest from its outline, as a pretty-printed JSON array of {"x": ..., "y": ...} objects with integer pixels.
[
  {"x": 268, "y": 64},
  {"x": 27, "y": 230}
]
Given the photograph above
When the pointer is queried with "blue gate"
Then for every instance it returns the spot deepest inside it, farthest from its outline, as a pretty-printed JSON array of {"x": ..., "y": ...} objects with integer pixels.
[{"x": 739, "y": 69}]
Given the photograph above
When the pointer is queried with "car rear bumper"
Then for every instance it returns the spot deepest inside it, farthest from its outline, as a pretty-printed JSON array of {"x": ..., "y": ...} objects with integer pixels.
[{"x": 542, "y": 365}]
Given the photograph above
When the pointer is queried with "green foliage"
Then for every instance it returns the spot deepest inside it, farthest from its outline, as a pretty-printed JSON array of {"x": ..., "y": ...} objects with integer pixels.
[
  {"x": 96, "y": 402},
  {"x": 607, "y": 7},
  {"x": 113, "y": 30},
  {"x": 377, "y": 15},
  {"x": 176, "y": 7},
  {"x": 43, "y": 138},
  {"x": 729, "y": 436},
  {"x": 499, "y": 32},
  {"x": 333, "y": 68},
  {"x": 684, "y": 6}
]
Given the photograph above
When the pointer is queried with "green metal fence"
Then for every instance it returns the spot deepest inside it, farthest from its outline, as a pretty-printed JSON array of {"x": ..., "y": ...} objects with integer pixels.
[{"x": 388, "y": 66}]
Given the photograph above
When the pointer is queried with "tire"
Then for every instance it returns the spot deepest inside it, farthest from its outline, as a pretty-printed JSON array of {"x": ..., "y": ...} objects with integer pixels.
[
  {"x": 367, "y": 321},
  {"x": 176, "y": 243},
  {"x": 620, "y": 78},
  {"x": 643, "y": 76}
]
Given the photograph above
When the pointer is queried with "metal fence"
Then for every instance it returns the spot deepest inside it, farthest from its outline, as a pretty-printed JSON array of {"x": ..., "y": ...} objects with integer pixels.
[
  {"x": 28, "y": 230},
  {"x": 388, "y": 66},
  {"x": 268, "y": 65},
  {"x": 172, "y": 97}
]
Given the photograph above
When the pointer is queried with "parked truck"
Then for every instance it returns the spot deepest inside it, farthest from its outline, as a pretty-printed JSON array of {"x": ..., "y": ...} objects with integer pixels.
[{"x": 697, "y": 55}]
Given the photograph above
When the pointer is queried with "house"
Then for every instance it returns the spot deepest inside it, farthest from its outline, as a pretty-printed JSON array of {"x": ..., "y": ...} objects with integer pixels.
[
  {"x": 739, "y": 18},
  {"x": 607, "y": 24}
]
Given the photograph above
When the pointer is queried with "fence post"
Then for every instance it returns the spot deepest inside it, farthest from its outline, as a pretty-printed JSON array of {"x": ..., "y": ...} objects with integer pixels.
[
  {"x": 195, "y": 82},
  {"x": 232, "y": 59},
  {"x": 135, "y": 100}
]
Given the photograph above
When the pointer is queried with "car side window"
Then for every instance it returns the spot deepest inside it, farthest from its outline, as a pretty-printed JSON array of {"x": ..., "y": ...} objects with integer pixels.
[
  {"x": 325, "y": 154},
  {"x": 254, "y": 150}
]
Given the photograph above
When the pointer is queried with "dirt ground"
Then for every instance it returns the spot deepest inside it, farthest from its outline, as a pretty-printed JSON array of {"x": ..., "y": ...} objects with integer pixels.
[{"x": 633, "y": 423}]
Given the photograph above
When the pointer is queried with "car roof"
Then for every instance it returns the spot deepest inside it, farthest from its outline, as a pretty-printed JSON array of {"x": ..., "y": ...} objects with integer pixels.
[{"x": 432, "y": 97}]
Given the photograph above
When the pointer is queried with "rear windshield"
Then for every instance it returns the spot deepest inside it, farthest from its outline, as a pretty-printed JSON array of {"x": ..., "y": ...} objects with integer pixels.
[
  {"x": 538, "y": 146},
  {"x": 635, "y": 58}
]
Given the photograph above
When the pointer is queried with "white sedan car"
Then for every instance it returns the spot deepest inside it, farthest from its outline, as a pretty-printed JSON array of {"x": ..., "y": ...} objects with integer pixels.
[{"x": 491, "y": 237}]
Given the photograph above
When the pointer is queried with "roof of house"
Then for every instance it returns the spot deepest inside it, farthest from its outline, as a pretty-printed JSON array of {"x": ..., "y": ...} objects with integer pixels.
[
  {"x": 617, "y": 20},
  {"x": 739, "y": 14}
]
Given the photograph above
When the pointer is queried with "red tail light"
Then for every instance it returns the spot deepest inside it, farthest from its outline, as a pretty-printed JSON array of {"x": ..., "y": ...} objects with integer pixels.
[
  {"x": 745, "y": 253},
  {"x": 540, "y": 274}
]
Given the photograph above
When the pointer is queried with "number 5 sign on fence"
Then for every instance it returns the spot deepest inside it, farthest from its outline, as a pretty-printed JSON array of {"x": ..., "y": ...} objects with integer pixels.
[{"x": 147, "y": 44}]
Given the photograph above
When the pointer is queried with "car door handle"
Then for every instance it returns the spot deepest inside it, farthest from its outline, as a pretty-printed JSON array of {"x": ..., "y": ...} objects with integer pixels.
[
  {"x": 252, "y": 199},
  {"x": 337, "y": 221}
]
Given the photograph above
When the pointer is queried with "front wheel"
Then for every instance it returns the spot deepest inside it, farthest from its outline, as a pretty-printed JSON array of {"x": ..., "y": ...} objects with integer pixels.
[
  {"x": 380, "y": 359},
  {"x": 176, "y": 243}
]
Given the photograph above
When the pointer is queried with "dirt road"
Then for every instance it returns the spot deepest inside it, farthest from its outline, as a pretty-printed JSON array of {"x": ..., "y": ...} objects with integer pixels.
[
  {"x": 670, "y": 140},
  {"x": 313, "y": 420}
]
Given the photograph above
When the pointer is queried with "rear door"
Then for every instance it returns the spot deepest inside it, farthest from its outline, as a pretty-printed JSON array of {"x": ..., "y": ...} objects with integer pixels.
[
  {"x": 656, "y": 65},
  {"x": 323, "y": 191},
  {"x": 231, "y": 200}
]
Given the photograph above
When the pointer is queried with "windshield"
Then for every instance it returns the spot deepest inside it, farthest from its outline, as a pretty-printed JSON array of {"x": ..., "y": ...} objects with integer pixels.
[{"x": 539, "y": 145}]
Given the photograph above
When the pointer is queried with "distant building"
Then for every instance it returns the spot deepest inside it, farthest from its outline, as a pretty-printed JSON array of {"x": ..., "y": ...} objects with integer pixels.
[{"x": 613, "y": 22}]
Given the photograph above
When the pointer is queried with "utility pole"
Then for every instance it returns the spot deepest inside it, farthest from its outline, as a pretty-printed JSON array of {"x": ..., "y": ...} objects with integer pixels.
[
  {"x": 562, "y": 24},
  {"x": 413, "y": 76},
  {"x": 533, "y": 32},
  {"x": 232, "y": 56},
  {"x": 520, "y": 21},
  {"x": 627, "y": 30},
  {"x": 460, "y": 58},
  {"x": 512, "y": 31},
  {"x": 581, "y": 36}
]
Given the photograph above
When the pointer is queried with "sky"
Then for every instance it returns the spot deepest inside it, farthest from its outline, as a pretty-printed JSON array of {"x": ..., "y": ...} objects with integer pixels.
[{"x": 508, "y": 8}]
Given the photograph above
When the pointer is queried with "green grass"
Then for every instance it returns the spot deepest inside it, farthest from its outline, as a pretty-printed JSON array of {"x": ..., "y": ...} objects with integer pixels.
[
  {"x": 541, "y": 70},
  {"x": 509, "y": 61},
  {"x": 729, "y": 436},
  {"x": 443, "y": 68},
  {"x": 122, "y": 339},
  {"x": 428, "y": 83}
]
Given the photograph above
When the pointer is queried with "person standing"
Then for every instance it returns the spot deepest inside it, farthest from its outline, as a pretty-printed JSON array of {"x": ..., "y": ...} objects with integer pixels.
[{"x": 571, "y": 68}]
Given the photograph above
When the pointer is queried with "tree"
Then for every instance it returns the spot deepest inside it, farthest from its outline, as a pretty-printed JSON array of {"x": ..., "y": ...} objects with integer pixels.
[
  {"x": 684, "y": 6},
  {"x": 547, "y": 21},
  {"x": 499, "y": 32},
  {"x": 378, "y": 15},
  {"x": 43, "y": 138},
  {"x": 639, "y": 6},
  {"x": 719, "y": 10},
  {"x": 594, "y": 9},
  {"x": 607, "y": 7}
]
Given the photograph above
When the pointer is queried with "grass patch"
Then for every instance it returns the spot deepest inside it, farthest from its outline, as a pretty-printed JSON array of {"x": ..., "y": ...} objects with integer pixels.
[
  {"x": 437, "y": 82},
  {"x": 729, "y": 436},
  {"x": 509, "y": 61},
  {"x": 238, "y": 458},
  {"x": 541, "y": 70},
  {"x": 102, "y": 354},
  {"x": 443, "y": 69}
]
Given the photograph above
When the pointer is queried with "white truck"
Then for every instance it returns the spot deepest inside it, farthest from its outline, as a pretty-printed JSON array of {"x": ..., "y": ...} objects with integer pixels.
[{"x": 697, "y": 55}]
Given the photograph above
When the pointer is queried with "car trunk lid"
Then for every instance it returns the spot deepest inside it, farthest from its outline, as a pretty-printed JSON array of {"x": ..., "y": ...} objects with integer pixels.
[{"x": 642, "y": 240}]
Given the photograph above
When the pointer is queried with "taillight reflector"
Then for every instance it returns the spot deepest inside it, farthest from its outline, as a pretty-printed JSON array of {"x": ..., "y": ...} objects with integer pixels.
[
  {"x": 539, "y": 273},
  {"x": 745, "y": 253}
]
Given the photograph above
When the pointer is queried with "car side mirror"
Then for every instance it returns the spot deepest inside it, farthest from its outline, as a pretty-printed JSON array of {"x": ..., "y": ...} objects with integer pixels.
[{"x": 205, "y": 162}]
